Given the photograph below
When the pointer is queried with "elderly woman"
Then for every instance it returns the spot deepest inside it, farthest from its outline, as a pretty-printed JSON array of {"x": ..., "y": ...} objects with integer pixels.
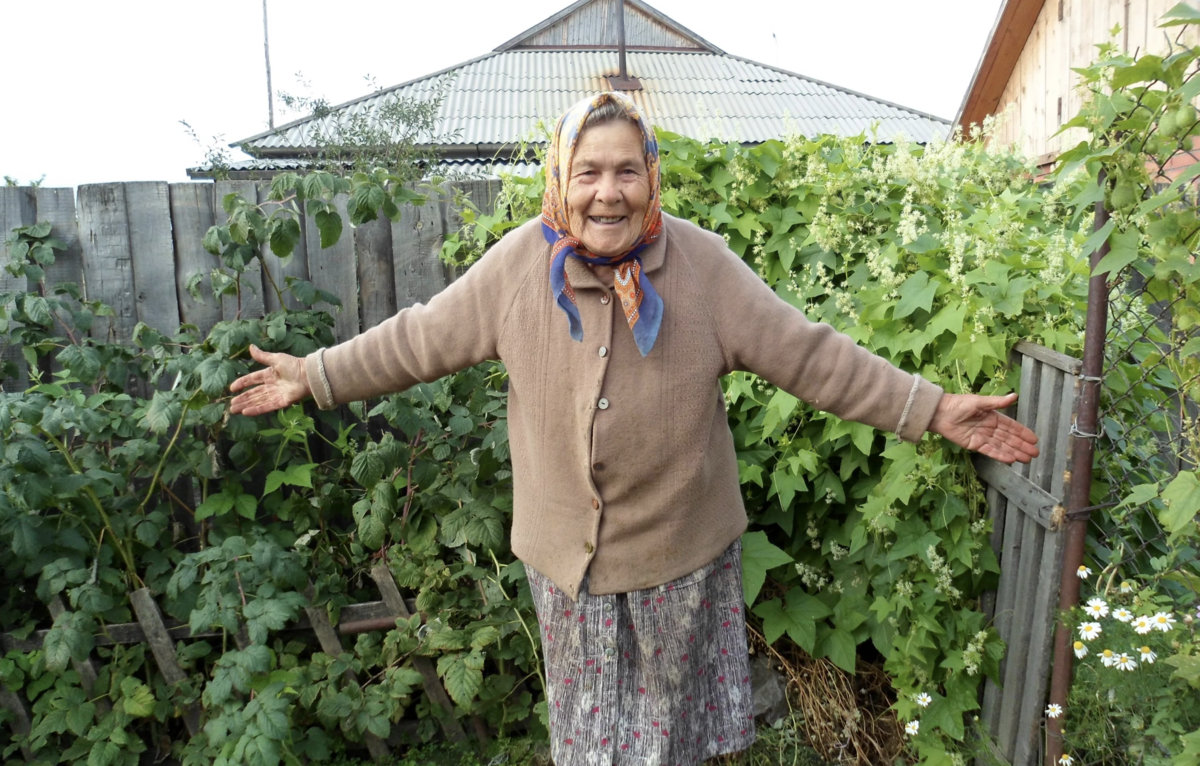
[{"x": 627, "y": 512}]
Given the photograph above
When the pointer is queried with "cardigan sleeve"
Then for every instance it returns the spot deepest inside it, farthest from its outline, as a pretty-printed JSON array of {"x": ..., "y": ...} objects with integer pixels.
[
  {"x": 763, "y": 334},
  {"x": 458, "y": 328}
]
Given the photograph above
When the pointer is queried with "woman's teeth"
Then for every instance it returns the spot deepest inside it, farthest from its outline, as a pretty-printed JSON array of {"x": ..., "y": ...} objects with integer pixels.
[{"x": 601, "y": 219}]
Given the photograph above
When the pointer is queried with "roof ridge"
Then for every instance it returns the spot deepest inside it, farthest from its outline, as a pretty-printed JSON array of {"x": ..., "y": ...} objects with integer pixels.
[{"x": 638, "y": 5}]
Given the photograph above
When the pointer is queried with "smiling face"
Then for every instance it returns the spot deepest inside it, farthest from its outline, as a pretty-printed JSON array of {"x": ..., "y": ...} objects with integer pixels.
[{"x": 608, "y": 192}]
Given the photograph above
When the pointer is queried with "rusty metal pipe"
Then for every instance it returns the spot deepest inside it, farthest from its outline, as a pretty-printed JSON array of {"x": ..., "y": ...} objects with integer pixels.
[{"x": 1080, "y": 481}]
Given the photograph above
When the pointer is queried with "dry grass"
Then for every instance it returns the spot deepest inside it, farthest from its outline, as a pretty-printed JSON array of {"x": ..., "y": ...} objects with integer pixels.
[{"x": 845, "y": 719}]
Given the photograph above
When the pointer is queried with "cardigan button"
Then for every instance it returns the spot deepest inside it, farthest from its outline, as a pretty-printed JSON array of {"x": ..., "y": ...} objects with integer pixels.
[
  {"x": 602, "y": 404},
  {"x": 603, "y": 351},
  {"x": 588, "y": 547},
  {"x": 604, "y": 299},
  {"x": 597, "y": 466},
  {"x": 595, "y": 504}
]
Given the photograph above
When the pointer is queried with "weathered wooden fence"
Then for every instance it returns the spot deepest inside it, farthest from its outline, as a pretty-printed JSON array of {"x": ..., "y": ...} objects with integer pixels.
[
  {"x": 135, "y": 246},
  {"x": 1027, "y": 510}
]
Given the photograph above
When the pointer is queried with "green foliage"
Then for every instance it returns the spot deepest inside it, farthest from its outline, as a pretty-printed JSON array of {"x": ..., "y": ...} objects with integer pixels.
[
  {"x": 122, "y": 469},
  {"x": 937, "y": 259}
]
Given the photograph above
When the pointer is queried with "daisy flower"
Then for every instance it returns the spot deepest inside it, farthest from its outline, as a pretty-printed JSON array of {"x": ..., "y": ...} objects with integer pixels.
[
  {"x": 1126, "y": 586},
  {"x": 1142, "y": 625},
  {"x": 1080, "y": 649},
  {"x": 1148, "y": 656},
  {"x": 923, "y": 699},
  {"x": 1053, "y": 711},
  {"x": 1096, "y": 607},
  {"x": 1124, "y": 662},
  {"x": 1083, "y": 572},
  {"x": 1164, "y": 621},
  {"x": 1089, "y": 630},
  {"x": 912, "y": 727},
  {"x": 1066, "y": 760},
  {"x": 1108, "y": 657},
  {"x": 1123, "y": 614}
]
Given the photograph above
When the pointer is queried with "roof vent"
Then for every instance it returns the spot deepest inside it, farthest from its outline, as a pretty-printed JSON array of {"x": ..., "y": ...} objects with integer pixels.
[{"x": 622, "y": 80}]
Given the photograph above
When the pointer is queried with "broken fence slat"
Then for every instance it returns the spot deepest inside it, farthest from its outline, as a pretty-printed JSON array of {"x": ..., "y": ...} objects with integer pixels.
[
  {"x": 332, "y": 645},
  {"x": 433, "y": 685},
  {"x": 164, "y": 650}
]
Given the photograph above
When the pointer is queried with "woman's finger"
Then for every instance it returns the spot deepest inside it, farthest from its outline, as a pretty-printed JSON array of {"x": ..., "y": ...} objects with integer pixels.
[
  {"x": 262, "y": 357},
  {"x": 258, "y": 377}
]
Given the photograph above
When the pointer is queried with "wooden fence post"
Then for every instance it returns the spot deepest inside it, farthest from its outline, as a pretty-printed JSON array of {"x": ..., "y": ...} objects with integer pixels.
[
  {"x": 332, "y": 645},
  {"x": 18, "y": 207},
  {"x": 164, "y": 651},
  {"x": 433, "y": 685}
]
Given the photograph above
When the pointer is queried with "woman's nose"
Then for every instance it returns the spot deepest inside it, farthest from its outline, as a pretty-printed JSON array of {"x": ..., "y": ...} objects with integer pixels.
[{"x": 608, "y": 191}]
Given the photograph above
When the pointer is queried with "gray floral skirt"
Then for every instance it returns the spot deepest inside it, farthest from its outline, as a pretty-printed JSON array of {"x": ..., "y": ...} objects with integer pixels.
[{"x": 654, "y": 677}]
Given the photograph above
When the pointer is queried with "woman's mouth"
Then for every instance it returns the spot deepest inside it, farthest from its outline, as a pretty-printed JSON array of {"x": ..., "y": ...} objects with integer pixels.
[{"x": 606, "y": 220}]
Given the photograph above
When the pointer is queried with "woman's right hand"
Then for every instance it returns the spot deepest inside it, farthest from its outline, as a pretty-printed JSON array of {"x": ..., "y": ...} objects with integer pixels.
[{"x": 282, "y": 384}]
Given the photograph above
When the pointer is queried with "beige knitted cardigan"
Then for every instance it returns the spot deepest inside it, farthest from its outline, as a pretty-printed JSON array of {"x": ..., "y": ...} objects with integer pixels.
[{"x": 623, "y": 466}]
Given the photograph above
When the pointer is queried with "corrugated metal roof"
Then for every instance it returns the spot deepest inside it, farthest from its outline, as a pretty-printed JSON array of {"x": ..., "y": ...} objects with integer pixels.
[{"x": 500, "y": 98}]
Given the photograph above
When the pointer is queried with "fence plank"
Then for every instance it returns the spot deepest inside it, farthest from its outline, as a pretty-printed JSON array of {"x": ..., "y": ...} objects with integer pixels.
[
  {"x": 433, "y": 685},
  {"x": 107, "y": 262},
  {"x": 18, "y": 207},
  {"x": 1045, "y": 424},
  {"x": 1032, "y": 536},
  {"x": 57, "y": 206},
  {"x": 1032, "y": 701},
  {"x": 1049, "y": 356},
  {"x": 248, "y": 303},
  {"x": 132, "y": 633},
  {"x": 332, "y": 645},
  {"x": 164, "y": 651},
  {"x": 86, "y": 668},
  {"x": 334, "y": 270},
  {"x": 150, "y": 246},
  {"x": 21, "y": 720},
  {"x": 416, "y": 243},
  {"x": 191, "y": 218},
  {"x": 1021, "y": 493},
  {"x": 296, "y": 266},
  {"x": 377, "y": 283},
  {"x": 998, "y": 511},
  {"x": 1062, "y": 439}
]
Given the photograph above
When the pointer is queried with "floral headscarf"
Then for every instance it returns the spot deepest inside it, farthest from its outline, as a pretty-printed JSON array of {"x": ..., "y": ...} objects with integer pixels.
[{"x": 642, "y": 305}]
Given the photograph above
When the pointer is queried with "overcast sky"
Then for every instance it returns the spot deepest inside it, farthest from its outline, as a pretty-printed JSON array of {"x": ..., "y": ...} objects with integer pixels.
[{"x": 95, "y": 90}]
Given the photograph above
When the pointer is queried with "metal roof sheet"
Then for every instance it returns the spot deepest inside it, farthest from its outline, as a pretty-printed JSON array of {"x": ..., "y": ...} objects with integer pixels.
[{"x": 499, "y": 98}]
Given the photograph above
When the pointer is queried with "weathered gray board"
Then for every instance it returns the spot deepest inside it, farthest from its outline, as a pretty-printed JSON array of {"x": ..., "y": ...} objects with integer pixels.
[
  {"x": 335, "y": 270},
  {"x": 107, "y": 261},
  {"x": 248, "y": 303},
  {"x": 1025, "y": 504},
  {"x": 192, "y": 216},
  {"x": 150, "y": 243},
  {"x": 18, "y": 207}
]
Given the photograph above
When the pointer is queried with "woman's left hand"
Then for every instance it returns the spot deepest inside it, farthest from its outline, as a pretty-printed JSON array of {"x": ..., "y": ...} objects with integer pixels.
[{"x": 975, "y": 422}]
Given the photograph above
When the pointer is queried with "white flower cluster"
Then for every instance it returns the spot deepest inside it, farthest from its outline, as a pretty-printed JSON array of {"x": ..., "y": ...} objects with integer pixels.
[
  {"x": 944, "y": 574},
  {"x": 973, "y": 654},
  {"x": 811, "y": 577}
]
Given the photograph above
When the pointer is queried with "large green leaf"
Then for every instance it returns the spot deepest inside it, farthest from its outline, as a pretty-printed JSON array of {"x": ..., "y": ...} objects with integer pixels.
[
  {"x": 1181, "y": 499},
  {"x": 462, "y": 681},
  {"x": 917, "y": 292},
  {"x": 758, "y": 555}
]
